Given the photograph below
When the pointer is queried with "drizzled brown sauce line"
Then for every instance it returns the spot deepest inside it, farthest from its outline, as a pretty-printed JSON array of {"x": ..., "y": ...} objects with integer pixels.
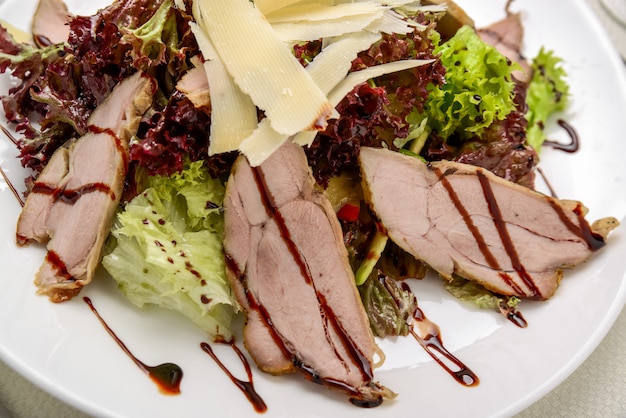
[
  {"x": 505, "y": 237},
  {"x": 247, "y": 387},
  {"x": 166, "y": 376},
  {"x": 71, "y": 196},
  {"x": 583, "y": 230},
  {"x": 478, "y": 237},
  {"x": 12, "y": 187},
  {"x": 574, "y": 144},
  {"x": 118, "y": 142},
  {"x": 8, "y": 134},
  {"x": 433, "y": 345}
]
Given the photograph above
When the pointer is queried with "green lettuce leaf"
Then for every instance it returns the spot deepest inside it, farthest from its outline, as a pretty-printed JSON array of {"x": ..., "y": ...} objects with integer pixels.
[
  {"x": 547, "y": 93},
  {"x": 168, "y": 249},
  {"x": 472, "y": 292},
  {"x": 478, "y": 88},
  {"x": 388, "y": 305}
]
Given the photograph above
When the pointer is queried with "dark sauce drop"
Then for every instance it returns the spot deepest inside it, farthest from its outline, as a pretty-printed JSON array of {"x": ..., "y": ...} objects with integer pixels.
[
  {"x": 574, "y": 144},
  {"x": 247, "y": 387},
  {"x": 166, "y": 376},
  {"x": 513, "y": 315}
]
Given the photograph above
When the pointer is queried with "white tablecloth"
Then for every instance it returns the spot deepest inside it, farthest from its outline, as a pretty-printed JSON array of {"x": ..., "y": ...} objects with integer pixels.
[{"x": 596, "y": 389}]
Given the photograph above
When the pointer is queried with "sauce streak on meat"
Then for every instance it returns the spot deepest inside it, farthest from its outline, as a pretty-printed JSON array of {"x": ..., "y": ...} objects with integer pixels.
[
  {"x": 72, "y": 195},
  {"x": 574, "y": 144},
  {"x": 167, "y": 376},
  {"x": 507, "y": 242},
  {"x": 59, "y": 265},
  {"x": 247, "y": 387},
  {"x": 582, "y": 230}
]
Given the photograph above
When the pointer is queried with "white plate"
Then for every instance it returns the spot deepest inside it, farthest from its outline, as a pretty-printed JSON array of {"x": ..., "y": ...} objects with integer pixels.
[{"x": 63, "y": 348}]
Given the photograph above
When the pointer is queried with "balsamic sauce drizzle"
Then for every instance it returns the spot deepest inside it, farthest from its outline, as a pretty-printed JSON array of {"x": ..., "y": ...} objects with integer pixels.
[
  {"x": 8, "y": 134},
  {"x": 12, "y": 187},
  {"x": 247, "y": 387},
  {"x": 430, "y": 339},
  {"x": 428, "y": 335},
  {"x": 71, "y": 195},
  {"x": 166, "y": 376},
  {"x": 574, "y": 144}
]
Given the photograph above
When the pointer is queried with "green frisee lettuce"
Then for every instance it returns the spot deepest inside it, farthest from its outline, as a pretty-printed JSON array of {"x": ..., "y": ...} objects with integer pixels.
[
  {"x": 478, "y": 89},
  {"x": 547, "y": 93},
  {"x": 168, "y": 249}
]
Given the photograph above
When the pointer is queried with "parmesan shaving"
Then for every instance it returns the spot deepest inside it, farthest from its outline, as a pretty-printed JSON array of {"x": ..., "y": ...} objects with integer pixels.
[
  {"x": 331, "y": 65},
  {"x": 313, "y": 30},
  {"x": 269, "y": 6},
  {"x": 316, "y": 12},
  {"x": 263, "y": 66},
  {"x": 262, "y": 143},
  {"x": 233, "y": 114}
]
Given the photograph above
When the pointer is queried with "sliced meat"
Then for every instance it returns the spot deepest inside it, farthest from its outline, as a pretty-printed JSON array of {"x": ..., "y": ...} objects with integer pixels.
[
  {"x": 507, "y": 36},
  {"x": 289, "y": 268},
  {"x": 50, "y": 23},
  {"x": 72, "y": 203},
  {"x": 463, "y": 220},
  {"x": 195, "y": 85}
]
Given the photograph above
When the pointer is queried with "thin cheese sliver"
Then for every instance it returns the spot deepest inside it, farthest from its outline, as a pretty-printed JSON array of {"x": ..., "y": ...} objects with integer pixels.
[
  {"x": 269, "y": 6},
  {"x": 331, "y": 65},
  {"x": 233, "y": 114},
  {"x": 315, "y": 12},
  {"x": 313, "y": 30},
  {"x": 327, "y": 69},
  {"x": 263, "y": 66},
  {"x": 262, "y": 143}
]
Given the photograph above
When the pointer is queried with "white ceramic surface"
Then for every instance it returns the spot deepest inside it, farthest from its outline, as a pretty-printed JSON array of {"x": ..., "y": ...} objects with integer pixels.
[{"x": 63, "y": 348}]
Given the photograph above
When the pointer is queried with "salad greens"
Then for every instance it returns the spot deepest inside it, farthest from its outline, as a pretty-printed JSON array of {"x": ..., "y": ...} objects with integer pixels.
[
  {"x": 548, "y": 93},
  {"x": 478, "y": 89},
  {"x": 168, "y": 249}
]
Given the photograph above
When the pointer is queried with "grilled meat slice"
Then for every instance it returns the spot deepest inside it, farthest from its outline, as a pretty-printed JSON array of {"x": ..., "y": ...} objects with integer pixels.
[
  {"x": 463, "y": 220},
  {"x": 290, "y": 271},
  {"x": 72, "y": 202}
]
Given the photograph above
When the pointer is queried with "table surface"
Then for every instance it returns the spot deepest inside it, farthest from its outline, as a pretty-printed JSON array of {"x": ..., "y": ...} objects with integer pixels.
[{"x": 596, "y": 389}]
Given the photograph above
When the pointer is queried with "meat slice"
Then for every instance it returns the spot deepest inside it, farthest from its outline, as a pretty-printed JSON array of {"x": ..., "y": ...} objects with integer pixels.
[
  {"x": 50, "y": 23},
  {"x": 72, "y": 203},
  {"x": 289, "y": 268},
  {"x": 463, "y": 220},
  {"x": 507, "y": 36}
]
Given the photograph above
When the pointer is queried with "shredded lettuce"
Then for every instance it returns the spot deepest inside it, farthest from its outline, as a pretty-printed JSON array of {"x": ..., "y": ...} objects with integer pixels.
[
  {"x": 478, "y": 89},
  {"x": 547, "y": 93},
  {"x": 168, "y": 249}
]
